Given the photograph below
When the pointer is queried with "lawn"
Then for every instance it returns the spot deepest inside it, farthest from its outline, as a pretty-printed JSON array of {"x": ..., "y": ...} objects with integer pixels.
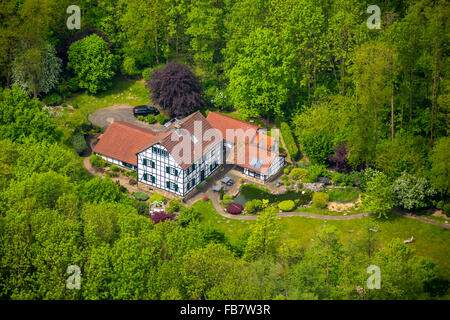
[
  {"x": 343, "y": 195},
  {"x": 122, "y": 91},
  {"x": 429, "y": 240}
]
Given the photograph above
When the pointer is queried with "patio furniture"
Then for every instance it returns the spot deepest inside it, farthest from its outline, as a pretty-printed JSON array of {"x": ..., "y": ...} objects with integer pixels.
[
  {"x": 227, "y": 180},
  {"x": 217, "y": 187}
]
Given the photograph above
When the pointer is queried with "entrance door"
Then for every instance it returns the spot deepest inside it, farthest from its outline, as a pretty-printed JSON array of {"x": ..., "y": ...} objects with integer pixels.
[{"x": 202, "y": 175}]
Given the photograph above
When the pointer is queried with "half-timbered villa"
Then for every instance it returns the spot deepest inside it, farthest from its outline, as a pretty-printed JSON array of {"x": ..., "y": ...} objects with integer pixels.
[{"x": 189, "y": 150}]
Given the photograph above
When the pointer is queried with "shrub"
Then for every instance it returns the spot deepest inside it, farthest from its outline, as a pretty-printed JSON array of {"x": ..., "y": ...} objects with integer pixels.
[
  {"x": 174, "y": 205},
  {"x": 79, "y": 143},
  {"x": 199, "y": 186},
  {"x": 446, "y": 209},
  {"x": 140, "y": 118},
  {"x": 132, "y": 182},
  {"x": 151, "y": 119},
  {"x": 187, "y": 216},
  {"x": 128, "y": 67},
  {"x": 317, "y": 146},
  {"x": 53, "y": 99},
  {"x": 64, "y": 105},
  {"x": 157, "y": 197},
  {"x": 115, "y": 168},
  {"x": 366, "y": 176},
  {"x": 146, "y": 73},
  {"x": 287, "y": 205},
  {"x": 72, "y": 85},
  {"x": 141, "y": 196},
  {"x": 258, "y": 204},
  {"x": 289, "y": 141},
  {"x": 227, "y": 199},
  {"x": 208, "y": 179},
  {"x": 316, "y": 171},
  {"x": 75, "y": 106},
  {"x": 141, "y": 207},
  {"x": 299, "y": 173},
  {"x": 235, "y": 208},
  {"x": 320, "y": 199},
  {"x": 250, "y": 207},
  {"x": 411, "y": 192},
  {"x": 97, "y": 161},
  {"x": 161, "y": 118},
  {"x": 440, "y": 205},
  {"x": 161, "y": 216},
  {"x": 339, "y": 159},
  {"x": 288, "y": 169}
]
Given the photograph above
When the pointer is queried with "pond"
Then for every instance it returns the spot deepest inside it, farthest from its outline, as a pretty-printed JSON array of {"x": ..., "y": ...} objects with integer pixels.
[{"x": 249, "y": 192}]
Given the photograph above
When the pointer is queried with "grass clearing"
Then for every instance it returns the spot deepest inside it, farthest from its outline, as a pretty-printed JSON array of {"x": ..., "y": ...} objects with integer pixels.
[
  {"x": 121, "y": 91},
  {"x": 429, "y": 240}
]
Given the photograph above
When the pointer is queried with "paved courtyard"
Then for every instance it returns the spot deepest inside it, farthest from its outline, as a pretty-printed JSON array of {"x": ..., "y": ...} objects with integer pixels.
[{"x": 104, "y": 117}]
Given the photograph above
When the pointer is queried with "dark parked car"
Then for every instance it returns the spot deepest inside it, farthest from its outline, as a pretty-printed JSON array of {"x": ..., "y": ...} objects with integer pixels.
[{"x": 145, "y": 110}]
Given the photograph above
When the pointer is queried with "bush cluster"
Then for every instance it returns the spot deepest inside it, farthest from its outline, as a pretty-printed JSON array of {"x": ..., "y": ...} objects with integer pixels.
[
  {"x": 141, "y": 196},
  {"x": 320, "y": 199},
  {"x": 157, "y": 197},
  {"x": 151, "y": 119},
  {"x": 287, "y": 205},
  {"x": 53, "y": 99}
]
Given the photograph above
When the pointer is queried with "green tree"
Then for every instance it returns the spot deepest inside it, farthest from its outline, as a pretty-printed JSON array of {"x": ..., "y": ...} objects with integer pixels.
[
  {"x": 374, "y": 67},
  {"x": 264, "y": 234},
  {"x": 22, "y": 117},
  {"x": 36, "y": 70},
  {"x": 259, "y": 81},
  {"x": 378, "y": 197},
  {"x": 91, "y": 63},
  {"x": 440, "y": 168}
]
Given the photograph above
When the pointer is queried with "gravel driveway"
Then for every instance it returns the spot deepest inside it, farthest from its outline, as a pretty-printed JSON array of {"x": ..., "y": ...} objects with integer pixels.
[{"x": 103, "y": 117}]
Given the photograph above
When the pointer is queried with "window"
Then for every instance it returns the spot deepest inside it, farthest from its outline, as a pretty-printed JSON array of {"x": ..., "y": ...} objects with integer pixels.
[
  {"x": 152, "y": 164},
  {"x": 144, "y": 162},
  {"x": 168, "y": 170},
  {"x": 175, "y": 187},
  {"x": 176, "y": 172},
  {"x": 153, "y": 179},
  {"x": 144, "y": 177},
  {"x": 168, "y": 184}
]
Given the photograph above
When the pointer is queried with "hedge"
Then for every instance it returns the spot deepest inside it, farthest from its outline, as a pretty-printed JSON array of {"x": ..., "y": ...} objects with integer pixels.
[{"x": 289, "y": 140}]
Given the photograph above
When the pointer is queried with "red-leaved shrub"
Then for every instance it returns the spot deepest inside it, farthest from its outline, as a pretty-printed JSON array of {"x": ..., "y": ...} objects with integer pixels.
[
  {"x": 161, "y": 216},
  {"x": 235, "y": 208}
]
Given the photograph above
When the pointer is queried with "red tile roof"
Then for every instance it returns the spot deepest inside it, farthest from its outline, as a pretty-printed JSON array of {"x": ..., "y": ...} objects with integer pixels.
[
  {"x": 122, "y": 141},
  {"x": 222, "y": 122},
  {"x": 195, "y": 125},
  {"x": 265, "y": 140},
  {"x": 243, "y": 155}
]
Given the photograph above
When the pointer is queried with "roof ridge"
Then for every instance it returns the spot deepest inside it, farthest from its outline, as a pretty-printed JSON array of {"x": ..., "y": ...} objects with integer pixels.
[
  {"x": 132, "y": 126},
  {"x": 235, "y": 119}
]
